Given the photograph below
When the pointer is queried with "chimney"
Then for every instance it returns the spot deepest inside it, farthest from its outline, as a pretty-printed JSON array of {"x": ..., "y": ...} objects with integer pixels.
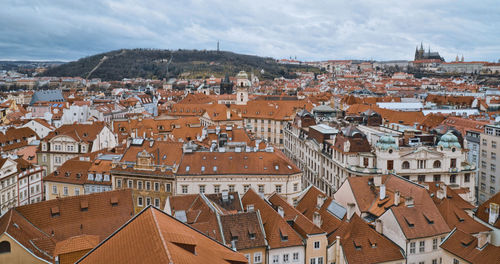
[
  {"x": 337, "y": 249},
  {"x": 482, "y": 240},
  {"x": 320, "y": 200},
  {"x": 378, "y": 226},
  {"x": 225, "y": 195},
  {"x": 397, "y": 198},
  {"x": 493, "y": 213},
  {"x": 409, "y": 202},
  {"x": 382, "y": 192},
  {"x": 377, "y": 180},
  {"x": 351, "y": 208},
  {"x": 317, "y": 219},
  {"x": 281, "y": 211}
]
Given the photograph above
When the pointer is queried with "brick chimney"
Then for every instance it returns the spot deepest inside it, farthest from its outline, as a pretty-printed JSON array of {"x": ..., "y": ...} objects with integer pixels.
[
  {"x": 317, "y": 219},
  {"x": 482, "y": 240},
  {"x": 382, "y": 192},
  {"x": 494, "y": 208},
  {"x": 441, "y": 193},
  {"x": 351, "y": 209},
  {"x": 397, "y": 198},
  {"x": 320, "y": 200},
  {"x": 379, "y": 226},
  {"x": 377, "y": 180},
  {"x": 409, "y": 202}
]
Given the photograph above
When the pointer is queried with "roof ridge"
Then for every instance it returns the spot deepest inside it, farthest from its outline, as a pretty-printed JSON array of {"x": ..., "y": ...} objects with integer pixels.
[
  {"x": 161, "y": 236},
  {"x": 26, "y": 219}
]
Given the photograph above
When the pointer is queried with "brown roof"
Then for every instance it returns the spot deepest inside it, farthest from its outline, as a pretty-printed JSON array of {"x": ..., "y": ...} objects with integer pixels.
[
  {"x": 308, "y": 207},
  {"x": 300, "y": 223},
  {"x": 162, "y": 152},
  {"x": 456, "y": 217},
  {"x": 33, "y": 239},
  {"x": 100, "y": 218},
  {"x": 247, "y": 229},
  {"x": 152, "y": 236},
  {"x": 243, "y": 163},
  {"x": 483, "y": 210},
  {"x": 278, "y": 232},
  {"x": 465, "y": 246},
  {"x": 76, "y": 170},
  {"x": 15, "y": 138},
  {"x": 199, "y": 214},
  {"x": 361, "y": 244},
  {"x": 79, "y": 132},
  {"x": 76, "y": 243}
]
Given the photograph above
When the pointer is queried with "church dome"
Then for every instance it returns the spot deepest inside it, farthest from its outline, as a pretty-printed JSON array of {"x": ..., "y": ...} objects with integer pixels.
[
  {"x": 242, "y": 75},
  {"x": 386, "y": 142},
  {"x": 449, "y": 140}
]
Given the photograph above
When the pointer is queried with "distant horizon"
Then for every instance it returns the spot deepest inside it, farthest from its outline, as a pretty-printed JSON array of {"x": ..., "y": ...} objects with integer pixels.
[{"x": 288, "y": 58}]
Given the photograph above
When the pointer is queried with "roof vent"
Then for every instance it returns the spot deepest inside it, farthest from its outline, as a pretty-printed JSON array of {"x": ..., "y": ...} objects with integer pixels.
[
  {"x": 84, "y": 205},
  {"x": 225, "y": 195},
  {"x": 114, "y": 200},
  {"x": 54, "y": 211}
]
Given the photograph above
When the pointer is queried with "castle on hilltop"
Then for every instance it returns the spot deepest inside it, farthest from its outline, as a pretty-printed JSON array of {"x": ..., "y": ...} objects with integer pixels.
[{"x": 421, "y": 54}]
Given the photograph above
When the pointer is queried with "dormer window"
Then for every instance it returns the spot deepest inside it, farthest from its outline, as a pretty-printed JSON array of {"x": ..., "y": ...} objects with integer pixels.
[{"x": 283, "y": 234}]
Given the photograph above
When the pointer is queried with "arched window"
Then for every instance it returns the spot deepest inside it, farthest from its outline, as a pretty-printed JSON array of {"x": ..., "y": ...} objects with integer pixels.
[
  {"x": 437, "y": 164},
  {"x": 4, "y": 247},
  {"x": 406, "y": 165}
]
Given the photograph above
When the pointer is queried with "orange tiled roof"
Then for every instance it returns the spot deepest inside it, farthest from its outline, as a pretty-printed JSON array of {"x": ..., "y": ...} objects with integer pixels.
[
  {"x": 276, "y": 228},
  {"x": 155, "y": 237}
]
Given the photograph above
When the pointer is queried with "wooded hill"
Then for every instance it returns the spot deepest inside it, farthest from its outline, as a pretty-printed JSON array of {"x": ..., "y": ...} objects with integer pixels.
[{"x": 160, "y": 64}]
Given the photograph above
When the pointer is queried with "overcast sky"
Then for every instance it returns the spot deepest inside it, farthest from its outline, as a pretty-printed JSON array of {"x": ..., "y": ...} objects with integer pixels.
[{"x": 308, "y": 29}]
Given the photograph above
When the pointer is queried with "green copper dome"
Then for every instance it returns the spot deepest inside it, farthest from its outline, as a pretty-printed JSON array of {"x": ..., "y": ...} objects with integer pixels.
[
  {"x": 386, "y": 142},
  {"x": 449, "y": 140}
]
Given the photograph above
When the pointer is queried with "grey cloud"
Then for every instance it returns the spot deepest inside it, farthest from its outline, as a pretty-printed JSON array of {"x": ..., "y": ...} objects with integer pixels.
[{"x": 310, "y": 30}]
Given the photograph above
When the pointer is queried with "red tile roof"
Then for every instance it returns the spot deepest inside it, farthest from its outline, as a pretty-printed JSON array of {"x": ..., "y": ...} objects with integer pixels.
[
  {"x": 155, "y": 237},
  {"x": 275, "y": 226}
]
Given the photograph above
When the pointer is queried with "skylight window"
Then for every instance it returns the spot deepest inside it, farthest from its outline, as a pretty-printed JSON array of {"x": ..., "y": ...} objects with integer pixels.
[{"x": 202, "y": 168}]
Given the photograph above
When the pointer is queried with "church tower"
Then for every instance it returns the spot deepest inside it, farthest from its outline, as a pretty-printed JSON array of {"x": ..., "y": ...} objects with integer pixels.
[{"x": 242, "y": 86}]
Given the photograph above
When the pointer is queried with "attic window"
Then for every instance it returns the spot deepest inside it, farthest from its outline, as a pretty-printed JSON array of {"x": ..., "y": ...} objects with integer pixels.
[
  {"x": 54, "y": 211},
  {"x": 428, "y": 218},
  {"x": 187, "y": 168},
  {"x": 276, "y": 167},
  {"x": 215, "y": 168},
  {"x": 84, "y": 205},
  {"x": 114, "y": 201},
  {"x": 202, "y": 168},
  {"x": 372, "y": 242},
  {"x": 466, "y": 241},
  {"x": 357, "y": 244},
  {"x": 409, "y": 222},
  {"x": 85, "y": 134},
  {"x": 460, "y": 219},
  {"x": 283, "y": 234},
  {"x": 164, "y": 157},
  {"x": 67, "y": 174}
]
